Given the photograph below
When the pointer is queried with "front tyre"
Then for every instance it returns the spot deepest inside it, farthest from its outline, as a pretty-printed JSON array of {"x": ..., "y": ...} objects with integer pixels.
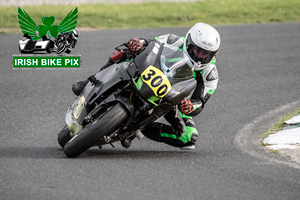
[
  {"x": 93, "y": 132},
  {"x": 60, "y": 48},
  {"x": 63, "y": 136}
]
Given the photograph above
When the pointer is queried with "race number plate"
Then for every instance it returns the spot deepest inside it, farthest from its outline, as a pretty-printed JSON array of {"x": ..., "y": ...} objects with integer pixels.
[
  {"x": 78, "y": 108},
  {"x": 157, "y": 81}
]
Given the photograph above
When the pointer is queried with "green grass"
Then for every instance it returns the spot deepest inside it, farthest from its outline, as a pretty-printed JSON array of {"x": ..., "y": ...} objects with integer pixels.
[
  {"x": 148, "y": 15},
  {"x": 279, "y": 126}
]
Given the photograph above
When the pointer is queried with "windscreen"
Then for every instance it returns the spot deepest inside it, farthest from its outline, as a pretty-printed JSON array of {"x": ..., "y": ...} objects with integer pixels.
[{"x": 174, "y": 63}]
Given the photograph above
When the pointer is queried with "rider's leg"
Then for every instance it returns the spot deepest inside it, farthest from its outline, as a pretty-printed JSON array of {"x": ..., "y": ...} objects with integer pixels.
[{"x": 181, "y": 133}]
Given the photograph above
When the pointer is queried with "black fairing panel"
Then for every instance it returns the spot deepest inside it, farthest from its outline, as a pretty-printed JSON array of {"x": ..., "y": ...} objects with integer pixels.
[
  {"x": 108, "y": 78},
  {"x": 150, "y": 56},
  {"x": 180, "y": 91}
]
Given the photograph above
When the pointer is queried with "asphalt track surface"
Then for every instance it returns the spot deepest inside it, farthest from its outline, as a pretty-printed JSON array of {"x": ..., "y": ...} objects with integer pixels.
[{"x": 259, "y": 81}]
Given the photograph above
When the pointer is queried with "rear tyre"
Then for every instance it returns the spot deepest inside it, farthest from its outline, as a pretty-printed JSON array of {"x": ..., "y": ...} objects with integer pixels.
[
  {"x": 93, "y": 132},
  {"x": 63, "y": 136}
]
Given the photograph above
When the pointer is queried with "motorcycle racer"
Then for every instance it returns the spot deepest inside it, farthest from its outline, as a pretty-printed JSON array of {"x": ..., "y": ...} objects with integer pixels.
[
  {"x": 69, "y": 38},
  {"x": 200, "y": 44}
]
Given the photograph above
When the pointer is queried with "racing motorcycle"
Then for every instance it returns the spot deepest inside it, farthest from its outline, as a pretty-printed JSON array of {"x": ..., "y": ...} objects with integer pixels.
[
  {"x": 64, "y": 42},
  {"x": 122, "y": 99}
]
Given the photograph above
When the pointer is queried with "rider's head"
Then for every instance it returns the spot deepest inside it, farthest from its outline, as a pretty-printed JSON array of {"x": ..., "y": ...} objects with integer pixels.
[
  {"x": 201, "y": 45},
  {"x": 75, "y": 34}
]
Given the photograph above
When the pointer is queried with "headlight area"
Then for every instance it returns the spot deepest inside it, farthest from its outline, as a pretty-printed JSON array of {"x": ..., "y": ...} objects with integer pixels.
[{"x": 71, "y": 122}]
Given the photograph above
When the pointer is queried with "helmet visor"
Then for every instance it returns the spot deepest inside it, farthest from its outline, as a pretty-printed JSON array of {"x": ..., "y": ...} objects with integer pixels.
[{"x": 199, "y": 54}]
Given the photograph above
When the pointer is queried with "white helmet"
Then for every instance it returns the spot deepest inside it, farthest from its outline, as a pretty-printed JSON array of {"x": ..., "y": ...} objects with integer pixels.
[
  {"x": 201, "y": 44},
  {"x": 75, "y": 34}
]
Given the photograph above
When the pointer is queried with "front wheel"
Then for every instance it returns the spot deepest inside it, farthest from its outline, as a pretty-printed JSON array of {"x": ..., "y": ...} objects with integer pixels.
[
  {"x": 63, "y": 136},
  {"x": 93, "y": 132},
  {"x": 60, "y": 48}
]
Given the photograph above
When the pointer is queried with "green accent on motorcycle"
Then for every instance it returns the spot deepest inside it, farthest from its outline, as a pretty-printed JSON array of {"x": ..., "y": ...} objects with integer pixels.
[
  {"x": 172, "y": 59},
  {"x": 139, "y": 83},
  {"x": 152, "y": 99},
  {"x": 152, "y": 102}
]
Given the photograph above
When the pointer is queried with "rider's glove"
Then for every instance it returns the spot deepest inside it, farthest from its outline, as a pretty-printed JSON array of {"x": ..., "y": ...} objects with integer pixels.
[
  {"x": 135, "y": 45},
  {"x": 185, "y": 106}
]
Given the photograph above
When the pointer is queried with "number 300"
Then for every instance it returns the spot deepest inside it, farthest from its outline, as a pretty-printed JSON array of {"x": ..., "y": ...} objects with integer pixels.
[{"x": 157, "y": 81}]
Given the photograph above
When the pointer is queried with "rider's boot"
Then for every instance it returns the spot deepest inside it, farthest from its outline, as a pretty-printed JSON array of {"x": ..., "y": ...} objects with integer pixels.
[{"x": 194, "y": 138}]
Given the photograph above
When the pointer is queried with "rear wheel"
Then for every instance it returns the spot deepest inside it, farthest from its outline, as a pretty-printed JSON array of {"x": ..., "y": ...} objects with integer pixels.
[
  {"x": 63, "y": 136},
  {"x": 93, "y": 132}
]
